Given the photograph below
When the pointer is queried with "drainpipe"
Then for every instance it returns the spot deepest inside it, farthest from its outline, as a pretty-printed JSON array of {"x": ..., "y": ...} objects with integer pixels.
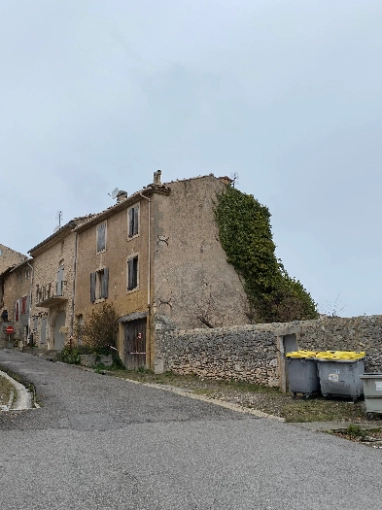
[
  {"x": 30, "y": 299},
  {"x": 74, "y": 284},
  {"x": 149, "y": 258},
  {"x": 149, "y": 278}
]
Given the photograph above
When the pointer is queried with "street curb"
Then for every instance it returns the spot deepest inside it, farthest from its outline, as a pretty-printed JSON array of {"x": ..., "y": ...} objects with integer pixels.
[{"x": 23, "y": 400}]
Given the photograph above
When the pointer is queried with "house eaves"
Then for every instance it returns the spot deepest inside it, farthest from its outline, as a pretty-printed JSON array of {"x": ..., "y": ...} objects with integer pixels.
[
  {"x": 59, "y": 235},
  {"x": 23, "y": 263},
  {"x": 124, "y": 204}
]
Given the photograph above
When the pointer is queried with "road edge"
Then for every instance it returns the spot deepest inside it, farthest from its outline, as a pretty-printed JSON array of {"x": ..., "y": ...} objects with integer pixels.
[{"x": 23, "y": 400}]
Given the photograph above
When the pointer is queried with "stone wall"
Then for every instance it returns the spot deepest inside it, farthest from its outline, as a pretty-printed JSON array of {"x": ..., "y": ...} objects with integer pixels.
[
  {"x": 254, "y": 353},
  {"x": 242, "y": 353},
  {"x": 193, "y": 282},
  {"x": 9, "y": 257}
]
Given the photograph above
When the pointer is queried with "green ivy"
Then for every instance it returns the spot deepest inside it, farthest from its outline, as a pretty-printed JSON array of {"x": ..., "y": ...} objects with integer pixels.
[{"x": 246, "y": 236}]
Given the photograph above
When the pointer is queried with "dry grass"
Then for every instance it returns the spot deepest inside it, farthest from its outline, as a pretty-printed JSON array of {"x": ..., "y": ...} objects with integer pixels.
[
  {"x": 5, "y": 390},
  {"x": 254, "y": 396}
]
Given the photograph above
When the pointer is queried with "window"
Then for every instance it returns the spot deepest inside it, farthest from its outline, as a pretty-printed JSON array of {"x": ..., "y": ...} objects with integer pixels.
[
  {"x": 133, "y": 221},
  {"x": 37, "y": 293},
  {"x": 27, "y": 274},
  {"x": 132, "y": 273},
  {"x": 101, "y": 237},
  {"x": 99, "y": 283},
  {"x": 19, "y": 277},
  {"x": 59, "y": 282},
  {"x": 17, "y": 311},
  {"x": 24, "y": 305}
]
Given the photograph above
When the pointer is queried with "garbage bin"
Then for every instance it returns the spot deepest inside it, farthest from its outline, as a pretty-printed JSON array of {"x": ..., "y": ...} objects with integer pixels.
[
  {"x": 339, "y": 373},
  {"x": 302, "y": 373},
  {"x": 372, "y": 389}
]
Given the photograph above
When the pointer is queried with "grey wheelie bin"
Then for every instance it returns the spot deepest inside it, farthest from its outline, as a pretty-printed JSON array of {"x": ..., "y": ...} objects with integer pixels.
[
  {"x": 372, "y": 389},
  {"x": 302, "y": 373},
  {"x": 340, "y": 373}
]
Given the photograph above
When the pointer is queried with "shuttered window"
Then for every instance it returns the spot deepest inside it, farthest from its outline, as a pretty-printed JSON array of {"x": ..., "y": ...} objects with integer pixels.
[
  {"x": 133, "y": 221},
  {"x": 17, "y": 308},
  {"x": 132, "y": 273},
  {"x": 99, "y": 284},
  {"x": 101, "y": 237},
  {"x": 59, "y": 283}
]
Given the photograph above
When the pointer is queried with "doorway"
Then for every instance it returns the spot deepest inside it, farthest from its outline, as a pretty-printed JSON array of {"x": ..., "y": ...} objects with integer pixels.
[
  {"x": 59, "y": 338},
  {"x": 135, "y": 344}
]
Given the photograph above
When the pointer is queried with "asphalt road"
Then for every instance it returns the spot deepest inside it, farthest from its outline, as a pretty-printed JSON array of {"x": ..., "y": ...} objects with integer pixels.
[{"x": 104, "y": 443}]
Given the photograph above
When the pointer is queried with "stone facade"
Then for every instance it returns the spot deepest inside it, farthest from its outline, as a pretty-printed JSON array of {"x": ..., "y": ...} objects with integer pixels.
[
  {"x": 256, "y": 353},
  {"x": 182, "y": 271},
  {"x": 9, "y": 257},
  {"x": 14, "y": 303},
  {"x": 194, "y": 285},
  {"x": 118, "y": 250},
  {"x": 52, "y": 311}
]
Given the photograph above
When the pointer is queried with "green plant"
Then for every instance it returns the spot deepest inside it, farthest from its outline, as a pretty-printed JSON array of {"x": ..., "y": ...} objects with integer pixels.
[
  {"x": 355, "y": 431},
  {"x": 70, "y": 354},
  {"x": 101, "y": 330},
  {"x": 246, "y": 236}
]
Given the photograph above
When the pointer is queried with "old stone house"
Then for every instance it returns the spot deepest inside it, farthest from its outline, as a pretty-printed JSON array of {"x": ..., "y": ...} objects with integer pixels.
[
  {"x": 156, "y": 254},
  {"x": 52, "y": 303},
  {"x": 15, "y": 288},
  {"x": 9, "y": 258}
]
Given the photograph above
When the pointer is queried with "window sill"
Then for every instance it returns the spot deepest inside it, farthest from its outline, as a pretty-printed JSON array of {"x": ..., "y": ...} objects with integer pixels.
[
  {"x": 133, "y": 237},
  {"x": 132, "y": 290},
  {"x": 99, "y": 300}
]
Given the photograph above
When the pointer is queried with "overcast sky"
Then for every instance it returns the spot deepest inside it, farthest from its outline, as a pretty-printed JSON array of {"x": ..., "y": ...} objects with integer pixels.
[{"x": 98, "y": 94}]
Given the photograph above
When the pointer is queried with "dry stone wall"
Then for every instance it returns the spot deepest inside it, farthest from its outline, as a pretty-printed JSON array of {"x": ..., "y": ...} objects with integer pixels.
[
  {"x": 242, "y": 353},
  {"x": 253, "y": 353}
]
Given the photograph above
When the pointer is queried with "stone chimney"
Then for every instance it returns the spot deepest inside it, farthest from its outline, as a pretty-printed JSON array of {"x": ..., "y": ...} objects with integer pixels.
[
  {"x": 122, "y": 196},
  {"x": 157, "y": 178},
  {"x": 226, "y": 180}
]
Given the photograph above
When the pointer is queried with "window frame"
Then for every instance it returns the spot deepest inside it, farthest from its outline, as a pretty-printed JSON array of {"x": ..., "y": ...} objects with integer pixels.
[
  {"x": 130, "y": 263},
  {"x": 99, "y": 285},
  {"x": 105, "y": 240},
  {"x": 133, "y": 221}
]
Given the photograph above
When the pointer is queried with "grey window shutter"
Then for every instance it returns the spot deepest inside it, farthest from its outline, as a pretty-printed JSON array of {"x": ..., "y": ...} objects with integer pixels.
[
  {"x": 135, "y": 221},
  {"x": 101, "y": 237},
  {"x": 105, "y": 282},
  {"x": 131, "y": 222},
  {"x": 129, "y": 274},
  {"x": 92, "y": 286},
  {"x": 60, "y": 280}
]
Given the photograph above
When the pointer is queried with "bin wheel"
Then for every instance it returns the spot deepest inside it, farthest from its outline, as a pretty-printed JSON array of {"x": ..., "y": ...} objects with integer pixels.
[
  {"x": 308, "y": 396},
  {"x": 370, "y": 416}
]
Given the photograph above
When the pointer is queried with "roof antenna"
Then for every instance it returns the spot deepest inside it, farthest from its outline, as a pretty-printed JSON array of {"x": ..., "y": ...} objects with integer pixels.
[
  {"x": 235, "y": 179},
  {"x": 114, "y": 193}
]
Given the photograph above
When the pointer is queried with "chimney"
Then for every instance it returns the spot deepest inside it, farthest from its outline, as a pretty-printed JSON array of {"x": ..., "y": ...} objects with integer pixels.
[
  {"x": 157, "y": 178},
  {"x": 122, "y": 196},
  {"x": 226, "y": 180}
]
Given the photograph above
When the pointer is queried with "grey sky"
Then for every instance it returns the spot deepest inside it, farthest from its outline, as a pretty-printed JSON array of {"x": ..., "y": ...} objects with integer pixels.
[{"x": 98, "y": 94}]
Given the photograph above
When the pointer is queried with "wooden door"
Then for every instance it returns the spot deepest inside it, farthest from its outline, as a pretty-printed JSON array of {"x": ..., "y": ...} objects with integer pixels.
[{"x": 135, "y": 344}]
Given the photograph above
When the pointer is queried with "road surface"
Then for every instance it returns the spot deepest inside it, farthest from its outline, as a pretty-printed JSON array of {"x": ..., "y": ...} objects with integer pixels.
[{"x": 103, "y": 443}]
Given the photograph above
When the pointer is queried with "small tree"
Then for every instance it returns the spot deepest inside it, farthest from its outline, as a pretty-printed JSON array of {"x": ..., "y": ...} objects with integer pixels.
[{"x": 100, "y": 332}]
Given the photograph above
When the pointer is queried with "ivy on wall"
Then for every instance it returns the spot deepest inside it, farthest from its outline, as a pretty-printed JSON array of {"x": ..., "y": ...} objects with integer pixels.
[{"x": 246, "y": 236}]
